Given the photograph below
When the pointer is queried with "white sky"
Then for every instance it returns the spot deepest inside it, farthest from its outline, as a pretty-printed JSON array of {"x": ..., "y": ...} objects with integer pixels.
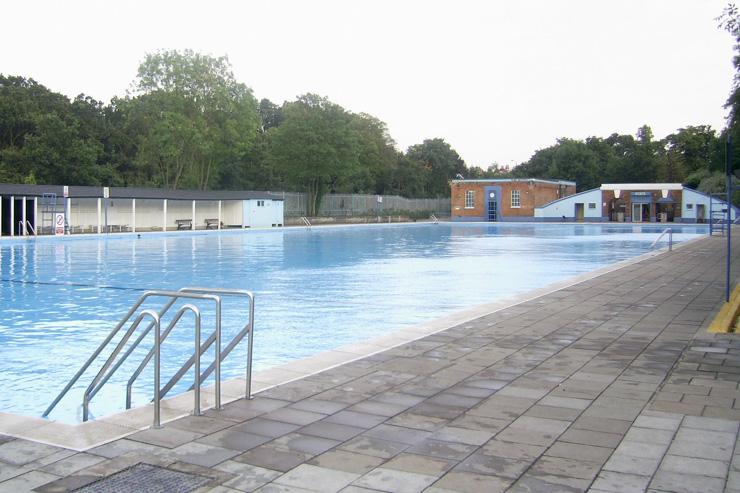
[{"x": 496, "y": 79}]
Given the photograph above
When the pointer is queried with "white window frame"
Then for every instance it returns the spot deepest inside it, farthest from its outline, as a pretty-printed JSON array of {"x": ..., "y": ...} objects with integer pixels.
[
  {"x": 470, "y": 199},
  {"x": 516, "y": 199}
]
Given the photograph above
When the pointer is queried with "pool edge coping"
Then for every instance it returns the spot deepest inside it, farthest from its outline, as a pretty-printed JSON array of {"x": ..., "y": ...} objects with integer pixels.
[{"x": 85, "y": 436}]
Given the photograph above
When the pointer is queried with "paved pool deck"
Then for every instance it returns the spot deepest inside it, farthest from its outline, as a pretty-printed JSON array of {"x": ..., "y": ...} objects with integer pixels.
[{"x": 611, "y": 384}]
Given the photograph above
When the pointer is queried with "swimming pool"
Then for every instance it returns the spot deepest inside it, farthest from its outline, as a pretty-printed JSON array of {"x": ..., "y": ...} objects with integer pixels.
[{"x": 315, "y": 289}]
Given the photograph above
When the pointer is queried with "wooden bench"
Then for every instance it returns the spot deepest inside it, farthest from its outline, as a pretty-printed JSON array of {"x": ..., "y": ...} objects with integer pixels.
[
  {"x": 212, "y": 223},
  {"x": 184, "y": 223}
]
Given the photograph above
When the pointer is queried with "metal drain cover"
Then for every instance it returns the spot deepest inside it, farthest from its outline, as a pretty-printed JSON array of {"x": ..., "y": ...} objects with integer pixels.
[{"x": 145, "y": 478}]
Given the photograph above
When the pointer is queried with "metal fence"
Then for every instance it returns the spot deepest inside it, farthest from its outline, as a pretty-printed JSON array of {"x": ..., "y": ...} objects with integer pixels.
[{"x": 348, "y": 205}]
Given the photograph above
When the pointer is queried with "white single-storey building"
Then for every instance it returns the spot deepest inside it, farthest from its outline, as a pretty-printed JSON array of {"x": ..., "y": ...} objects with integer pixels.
[
  {"x": 637, "y": 202},
  {"x": 36, "y": 209}
]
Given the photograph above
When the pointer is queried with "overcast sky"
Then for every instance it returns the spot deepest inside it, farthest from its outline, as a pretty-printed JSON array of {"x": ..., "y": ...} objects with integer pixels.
[{"x": 496, "y": 79}]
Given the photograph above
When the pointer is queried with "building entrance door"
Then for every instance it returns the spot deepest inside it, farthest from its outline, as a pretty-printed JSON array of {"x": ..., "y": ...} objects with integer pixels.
[
  {"x": 579, "y": 212},
  {"x": 700, "y": 213},
  {"x": 640, "y": 213},
  {"x": 492, "y": 206}
]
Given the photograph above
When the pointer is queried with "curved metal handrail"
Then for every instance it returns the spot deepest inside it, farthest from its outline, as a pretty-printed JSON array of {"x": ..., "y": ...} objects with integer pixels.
[
  {"x": 669, "y": 232},
  {"x": 133, "y": 347},
  {"x": 214, "y": 337},
  {"x": 174, "y": 295},
  {"x": 180, "y": 313},
  {"x": 158, "y": 395},
  {"x": 145, "y": 313},
  {"x": 102, "y": 346},
  {"x": 109, "y": 368},
  {"x": 99, "y": 376},
  {"x": 244, "y": 331}
]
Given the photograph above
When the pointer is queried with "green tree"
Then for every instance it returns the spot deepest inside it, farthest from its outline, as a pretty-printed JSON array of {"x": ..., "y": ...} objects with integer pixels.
[
  {"x": 195, "y": 119},
  {"x": 55, "y": 153},
  {"x": 42, "y": 139},
  {"x": 271, "y": 115},
  {"x": 315, "y": 146},
  {"x": 573, "y": 160},
  {"x": 408, "y": 177},
  {"x": 376, "y": 156},
  {"x": 442, "y": 162}
]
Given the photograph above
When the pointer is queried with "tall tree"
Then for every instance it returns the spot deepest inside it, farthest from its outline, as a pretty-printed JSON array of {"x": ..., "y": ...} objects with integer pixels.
[
  {"x": 315, "y": 146},
  {"x": 207, "y": 120},
  {"x": 42, "y": 139},
  {"x": 442, "y": 162},
  {"x": 376, "y": 156}
]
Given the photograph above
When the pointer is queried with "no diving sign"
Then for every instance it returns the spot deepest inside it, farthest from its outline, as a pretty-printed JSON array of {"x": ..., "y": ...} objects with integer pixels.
[{"x": 59, "y": 223}]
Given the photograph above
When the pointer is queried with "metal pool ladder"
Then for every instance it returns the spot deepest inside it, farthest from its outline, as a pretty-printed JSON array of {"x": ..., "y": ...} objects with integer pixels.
[
  {"x": 667, "y": 231},
  {"x": 114, "y": 362},
  {"x": 306, "y": 222}
]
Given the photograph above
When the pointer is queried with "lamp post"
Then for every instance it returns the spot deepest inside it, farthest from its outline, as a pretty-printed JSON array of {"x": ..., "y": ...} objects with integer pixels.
[{"x": 728, "y": 170}]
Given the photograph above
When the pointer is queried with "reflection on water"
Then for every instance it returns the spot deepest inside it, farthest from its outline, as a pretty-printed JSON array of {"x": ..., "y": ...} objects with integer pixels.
[{"x": 315, "y": 289}]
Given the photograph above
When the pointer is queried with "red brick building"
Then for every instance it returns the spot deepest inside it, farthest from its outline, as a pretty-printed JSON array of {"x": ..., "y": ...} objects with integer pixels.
[{"x": 510, "y": 199}]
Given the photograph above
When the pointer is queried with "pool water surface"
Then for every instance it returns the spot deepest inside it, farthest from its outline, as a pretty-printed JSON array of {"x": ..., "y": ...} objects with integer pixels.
[{"x": 315, "y": 289}]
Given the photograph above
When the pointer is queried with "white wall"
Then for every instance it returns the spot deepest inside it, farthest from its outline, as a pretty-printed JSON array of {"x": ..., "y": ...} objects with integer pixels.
[
  {"x": 83, "y": 215},
  {"x": 567, "y": 206},
  {"x": 149, "y": 213},
  {"x": 232, "y": 212},
  {"x": 693, "y": 197},
  {"x": 265, "y": 216}
]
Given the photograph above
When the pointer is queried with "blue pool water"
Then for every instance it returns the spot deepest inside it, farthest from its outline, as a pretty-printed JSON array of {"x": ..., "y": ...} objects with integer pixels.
[{"x": 315, "y": 290}]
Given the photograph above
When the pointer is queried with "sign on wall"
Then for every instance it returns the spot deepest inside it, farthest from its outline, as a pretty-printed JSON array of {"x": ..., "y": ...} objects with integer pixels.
[{"x": 59, "y": 224}]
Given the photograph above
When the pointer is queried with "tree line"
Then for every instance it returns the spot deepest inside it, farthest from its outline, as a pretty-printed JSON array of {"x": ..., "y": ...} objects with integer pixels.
[
  {"x": 188, "y": 123},
  {"x": 694, "y": 156}
]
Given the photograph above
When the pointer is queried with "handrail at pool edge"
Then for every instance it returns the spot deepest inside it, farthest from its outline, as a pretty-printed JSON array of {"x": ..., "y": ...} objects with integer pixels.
[
  {"x": 174, "y": 295},
  {"x": 668, "y": 231},
  {"x": 98, "y": 377}
]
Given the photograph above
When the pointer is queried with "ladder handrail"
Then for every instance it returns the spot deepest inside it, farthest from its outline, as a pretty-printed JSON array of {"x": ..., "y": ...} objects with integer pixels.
[
  {"x": 206, "y": 345},
  {"x": 102, "y": 346},
  {"x": 434, "y": 218},
  {"x": 172, "y": 294},
  {"x": 229, "y": 347},
  {"x": 180, "y": 313},
  {"x": 250, "y": 342},
  {"x": 110, "y": 337},
  {"x": 108, "y": 368},
  {"x": 23, "y": 228},
  {"x": 169, "y": 328},
  {"x": 669, "y": 232},
  {"x": 306, "y": 222}
]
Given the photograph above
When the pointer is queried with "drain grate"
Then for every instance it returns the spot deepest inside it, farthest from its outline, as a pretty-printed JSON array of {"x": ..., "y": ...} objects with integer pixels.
[{"x": 145, "y": 478}]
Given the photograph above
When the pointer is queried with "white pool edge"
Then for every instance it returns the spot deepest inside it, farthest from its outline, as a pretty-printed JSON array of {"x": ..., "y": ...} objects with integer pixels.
[{"x": 84, "y": 436}]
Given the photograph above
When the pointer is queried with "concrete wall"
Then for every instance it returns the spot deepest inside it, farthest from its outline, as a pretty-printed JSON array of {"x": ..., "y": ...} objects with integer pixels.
[{"x": 567, "y": 207}]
